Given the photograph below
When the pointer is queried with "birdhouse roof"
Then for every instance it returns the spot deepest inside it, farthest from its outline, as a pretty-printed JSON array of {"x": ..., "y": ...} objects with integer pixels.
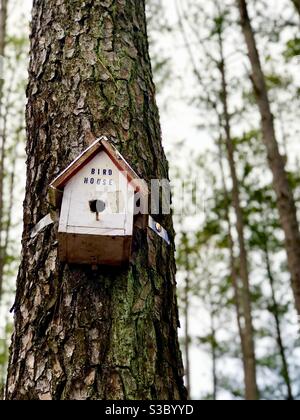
[{"x": 100, "y": 144}]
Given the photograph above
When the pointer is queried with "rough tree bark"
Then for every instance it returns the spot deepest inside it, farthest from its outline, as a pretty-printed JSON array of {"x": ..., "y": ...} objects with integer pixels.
[
  {"x": 112, "y": 333},
  {"x": 285, "y": 200},
  {"x": 251, "y": 391}
]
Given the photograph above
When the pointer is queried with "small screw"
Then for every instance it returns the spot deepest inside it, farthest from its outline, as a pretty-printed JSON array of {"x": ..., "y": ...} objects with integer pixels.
[{"x": 158, "y": 227}]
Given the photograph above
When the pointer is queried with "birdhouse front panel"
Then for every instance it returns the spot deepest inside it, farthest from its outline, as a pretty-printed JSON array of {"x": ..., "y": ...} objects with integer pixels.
[
  {"x": 98, "y": 200},
  {"x": 96, "y": 220}
]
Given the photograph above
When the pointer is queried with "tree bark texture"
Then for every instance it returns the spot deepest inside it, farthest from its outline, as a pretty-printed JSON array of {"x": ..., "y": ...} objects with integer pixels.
[
  {"x": 83, "y": 334},
  {"x": 285, "y": 200}
]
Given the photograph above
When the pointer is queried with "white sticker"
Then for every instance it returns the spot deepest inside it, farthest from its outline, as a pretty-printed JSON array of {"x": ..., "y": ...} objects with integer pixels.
[
  {"x": 159, "y": 230},
  {"x": 46, "y": 221}
]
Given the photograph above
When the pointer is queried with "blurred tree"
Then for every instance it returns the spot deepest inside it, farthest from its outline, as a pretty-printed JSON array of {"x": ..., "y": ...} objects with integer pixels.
[
  {"x": 263, "y": 222},
  {"x": 160, "y": 58},
  {"x": 251, "y": 390},
  {"x": 284, "y": 193},
  {"x": 4, "y": 347},
  {"x": 297, "y": 5},
  {"x": 199, "y": 35},
  {"x": 235, "y": 272},
  {"x": 3, "y": 39},
  {"x": 247, "y": 335},
  {"x": 3, "y": 24},
  {"x": 14, "y": 47},
  {"x": 186, "y": 251}
]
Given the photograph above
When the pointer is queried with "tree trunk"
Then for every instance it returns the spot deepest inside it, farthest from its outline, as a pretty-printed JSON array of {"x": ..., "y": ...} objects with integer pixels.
[
  {"x": 233, "y": 270},
  {"x": 285, "y": 200},
  {"x": 214, "y": 354},
  {"x": 281, "y": 348},
  {"x": 3, "y": 237},
  {"x": 248, "y": 333},
  {"x": 82, "y": 334},
  {"x": 3, "y": 22},
  {"x": 297, "y": 5},
  {"x": 186, "y": 318},
  {"x": 3, "y": 19}
]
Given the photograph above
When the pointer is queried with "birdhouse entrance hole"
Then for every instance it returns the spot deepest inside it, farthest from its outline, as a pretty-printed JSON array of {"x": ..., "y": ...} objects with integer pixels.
[{"x": 97, "y": 206}]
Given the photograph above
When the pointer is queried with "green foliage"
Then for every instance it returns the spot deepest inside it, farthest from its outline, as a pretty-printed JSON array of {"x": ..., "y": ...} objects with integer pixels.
[{"x": 292, "y": 49}]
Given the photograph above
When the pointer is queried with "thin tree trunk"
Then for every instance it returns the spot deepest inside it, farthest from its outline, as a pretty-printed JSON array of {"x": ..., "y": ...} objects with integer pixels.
[
  {"x": 8, "y": 222},
  {"x": 233, "y": 271},
  {"x": 186, "y": 319},
  {"x": 3, "y": 365},
  {"x": 3, "y": 22},
  {"x": 3, "y": 226},
  {"x": 6, "y": 175},
  {"x": 249, "y": 348},
  {"x": 112, "y": 333},
  {"x": 214, "y": 356},
  {"x": 2, "y": 262},
  {"x": 3, "y": 249},
  {"x": 282, "y": 351},
  {"x": 3, "y": 19},
  {"x": 285, "y": 200}
]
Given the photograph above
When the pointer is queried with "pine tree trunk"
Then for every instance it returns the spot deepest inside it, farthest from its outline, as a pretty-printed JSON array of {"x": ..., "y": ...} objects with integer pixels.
[
  {"x": 112, "y": 333},
  {"x": 214, "y": 354},
  {"x": 233, "y": 270},
  {"x": 3, "y": 22},
  {"x": 3, "y": 19},
  {"x": 285, "y": 200},
  {"x": 276, "y": 314},
  {"x": 3, "y": 175},
  {"x": 186, "y": 318},
  {"x": 297, "y": 5},
  {"x": 248, "y": 331}
]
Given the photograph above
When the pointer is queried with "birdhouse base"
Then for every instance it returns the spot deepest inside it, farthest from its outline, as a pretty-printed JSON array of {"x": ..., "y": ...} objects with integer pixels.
[{"x": 94, "y": 249}]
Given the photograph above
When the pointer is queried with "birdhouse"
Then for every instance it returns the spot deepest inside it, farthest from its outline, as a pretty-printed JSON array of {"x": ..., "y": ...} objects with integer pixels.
[{"x": 98, "y": 196}]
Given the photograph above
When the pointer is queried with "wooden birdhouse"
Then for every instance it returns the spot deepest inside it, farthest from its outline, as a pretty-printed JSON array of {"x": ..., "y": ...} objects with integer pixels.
[{"x": 97, "y": 197}]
